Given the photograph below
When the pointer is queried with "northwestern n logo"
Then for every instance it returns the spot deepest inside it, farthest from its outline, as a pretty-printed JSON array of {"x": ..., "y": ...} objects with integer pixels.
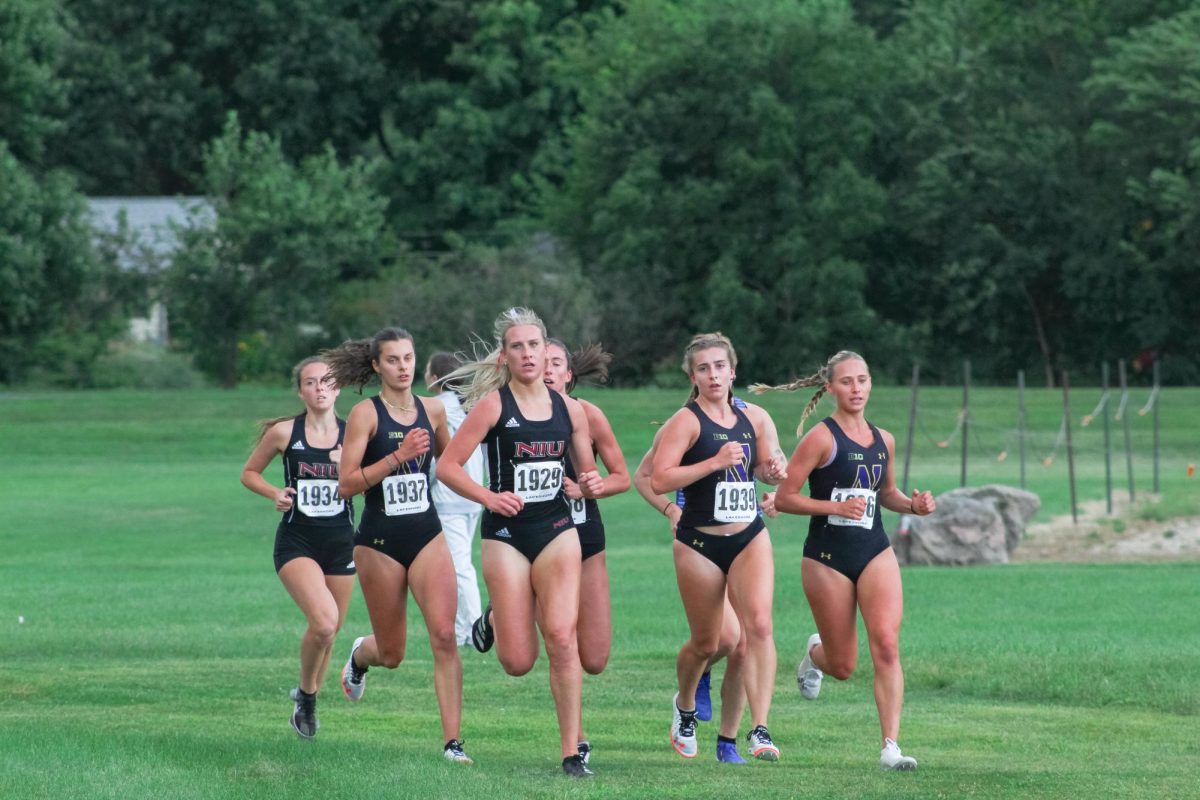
[
  {"x": 740, "y": 473},
  {"x": 868, "y": 476}
]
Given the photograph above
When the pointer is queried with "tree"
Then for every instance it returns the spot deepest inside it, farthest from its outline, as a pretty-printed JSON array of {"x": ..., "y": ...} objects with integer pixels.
[
  {"x": 718, "y": 181},
  {"x": 152, "y": 82},
  {"x": 270, "y": 253},
  {"x": 56, "y": 306},
  {"x": 1148, "y": 130},
  {"x": 31, "y": 91}
]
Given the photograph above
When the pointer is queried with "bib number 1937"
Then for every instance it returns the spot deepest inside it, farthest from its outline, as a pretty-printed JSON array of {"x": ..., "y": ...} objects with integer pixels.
[{"x": 405, "y": 494}]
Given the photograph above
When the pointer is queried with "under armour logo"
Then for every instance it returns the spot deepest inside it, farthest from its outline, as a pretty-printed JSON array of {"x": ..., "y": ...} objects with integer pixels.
[
  {"x": 827, "y": 556},
  {"x": 697, "y": 543},
  {"x": 378, "y": 541}
]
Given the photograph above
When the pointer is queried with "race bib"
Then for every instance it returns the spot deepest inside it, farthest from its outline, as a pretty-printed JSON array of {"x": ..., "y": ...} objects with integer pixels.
[
  {"x": 579, "y": 511},
  {"x": 405, "y": 494},
  {"x": 318, "y": 498},
  {"x": 735, "y": 501},
  {"x": 868, "y": 517},
  {"x": 538, "y": 482}
]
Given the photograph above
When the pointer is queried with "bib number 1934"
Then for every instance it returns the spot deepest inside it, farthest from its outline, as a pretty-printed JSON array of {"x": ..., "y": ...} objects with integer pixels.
[{"x": 318, "y": 498}]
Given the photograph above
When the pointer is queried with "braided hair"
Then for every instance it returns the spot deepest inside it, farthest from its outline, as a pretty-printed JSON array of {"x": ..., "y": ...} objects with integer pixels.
[{"x": 820, "y": 378}]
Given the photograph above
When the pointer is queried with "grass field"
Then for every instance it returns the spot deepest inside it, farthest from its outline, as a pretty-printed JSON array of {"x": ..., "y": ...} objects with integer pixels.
[{"x": 158, "y": 647}]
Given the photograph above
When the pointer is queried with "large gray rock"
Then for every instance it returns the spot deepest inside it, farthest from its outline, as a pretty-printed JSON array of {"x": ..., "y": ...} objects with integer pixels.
[{"x": 974, "y": 525}]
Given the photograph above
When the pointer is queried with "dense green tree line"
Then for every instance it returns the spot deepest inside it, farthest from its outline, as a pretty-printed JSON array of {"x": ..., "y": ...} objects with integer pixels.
[{"x": 922, "y": 180}]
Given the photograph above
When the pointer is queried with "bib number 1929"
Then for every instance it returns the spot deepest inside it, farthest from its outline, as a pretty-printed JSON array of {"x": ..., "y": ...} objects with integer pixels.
[{"x": 538, "y": 482}]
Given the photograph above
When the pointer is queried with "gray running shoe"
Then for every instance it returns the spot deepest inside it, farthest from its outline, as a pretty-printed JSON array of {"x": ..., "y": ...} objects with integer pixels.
[
  {"x": 808, "y": 677},
  {"x": 354, "y": 677}
]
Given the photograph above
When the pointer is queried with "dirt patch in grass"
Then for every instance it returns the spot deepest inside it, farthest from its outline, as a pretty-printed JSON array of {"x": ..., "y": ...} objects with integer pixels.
[{"x": 1125, "y": 536}]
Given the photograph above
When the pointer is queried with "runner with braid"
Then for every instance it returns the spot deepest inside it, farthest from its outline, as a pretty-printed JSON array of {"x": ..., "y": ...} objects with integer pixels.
[{"x": 849, "y": 565}]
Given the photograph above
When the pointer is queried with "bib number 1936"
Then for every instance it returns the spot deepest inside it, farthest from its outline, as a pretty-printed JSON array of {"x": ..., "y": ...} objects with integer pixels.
[{"x": 868, "y": 518}]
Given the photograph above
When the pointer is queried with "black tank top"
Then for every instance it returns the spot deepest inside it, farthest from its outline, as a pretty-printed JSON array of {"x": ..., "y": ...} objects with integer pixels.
[
  {"x": 309, "y": 471},
  {"x": 404, "y": 492},
  {"x": 854, "y": 467},
  {"x": 585, "y": 509},
  {"x": 526, "y": 457},
  {"x": 729, "y": 495}
]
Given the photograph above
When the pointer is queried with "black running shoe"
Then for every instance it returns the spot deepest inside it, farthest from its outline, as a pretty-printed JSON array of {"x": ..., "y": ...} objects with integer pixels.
[
  {"x": 483, "y": 635},
  {"x": 575, "y": 767},
  {"x": 304, "y": 718},
  {"x": 585, "y": 751}
]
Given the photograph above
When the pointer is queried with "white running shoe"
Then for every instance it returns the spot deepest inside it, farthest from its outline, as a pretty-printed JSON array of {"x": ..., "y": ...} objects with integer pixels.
[
  {"x": 808, "y": 677},
  {"x": 761, "y": 746},
  {"x": 892, "y": 758},
  {"x": 453, "y": 751},
  {"x": 354, "y": 677},
  {"x": 683, "y": 730}
]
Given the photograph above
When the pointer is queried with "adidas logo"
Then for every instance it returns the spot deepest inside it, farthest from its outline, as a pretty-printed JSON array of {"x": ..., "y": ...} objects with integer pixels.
[
  {"x": 512, "y": 423},
  {"x": 299, "y": 445},
  {"x": 349, "y": 566},
  {"x": 503, "y": 534}
]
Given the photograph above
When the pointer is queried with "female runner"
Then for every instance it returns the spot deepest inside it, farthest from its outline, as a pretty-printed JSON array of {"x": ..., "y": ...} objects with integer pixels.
[
  {"x": 531, "y": 554},
  {"x": 399, "y": 547},
  {"x": 712, "y": 450},
  {"x": 315, "y": 539},
  {"x": 849, "y": 565},
  {"x": 564, "y": 370}
]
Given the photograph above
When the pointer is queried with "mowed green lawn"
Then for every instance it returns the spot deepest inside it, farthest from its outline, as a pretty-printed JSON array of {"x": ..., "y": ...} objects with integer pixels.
[{"x": 158, "y": 646}]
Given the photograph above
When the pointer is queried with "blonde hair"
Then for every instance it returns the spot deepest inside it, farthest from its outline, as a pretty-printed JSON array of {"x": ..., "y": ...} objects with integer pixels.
[
  {"x": 704, "y": 341},
  {"x": 482, "y": 375},
  {"x": 821, "y": 378}
]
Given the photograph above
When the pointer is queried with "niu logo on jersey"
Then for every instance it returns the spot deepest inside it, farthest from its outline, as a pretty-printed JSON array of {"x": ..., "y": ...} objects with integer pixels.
[
  {"x": 540, "y": 449},
  {"x": 318, "y": 470}
]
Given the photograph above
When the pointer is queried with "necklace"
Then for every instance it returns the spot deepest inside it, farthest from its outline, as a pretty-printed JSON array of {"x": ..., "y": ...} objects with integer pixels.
[{"x": 396, "y": 406}]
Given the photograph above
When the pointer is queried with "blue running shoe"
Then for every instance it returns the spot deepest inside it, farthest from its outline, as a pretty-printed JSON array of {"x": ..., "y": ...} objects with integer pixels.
[
  {"x": 704, "y": 698},
  {"x": 727, "y": 753}
]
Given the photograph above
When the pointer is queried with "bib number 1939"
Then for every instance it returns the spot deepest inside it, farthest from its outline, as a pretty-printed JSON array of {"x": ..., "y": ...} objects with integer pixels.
[{"x": 735, "y": 501}]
